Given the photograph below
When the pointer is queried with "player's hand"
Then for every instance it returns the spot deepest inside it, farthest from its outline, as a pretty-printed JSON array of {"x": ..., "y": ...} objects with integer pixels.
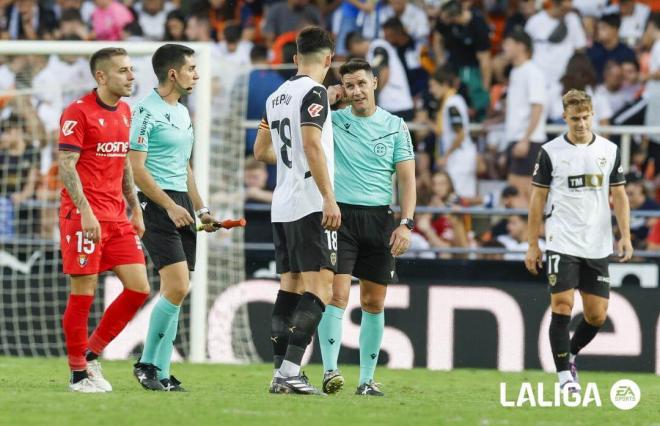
[
  {"x": 335, "y": 94},
  {"x": 208, "y": 222},
  {"x": 331, "y": 215},
  {"x": 180, "y": 216},
  {"x": 91, "y": 227},
  {"x": 521, "y": 148},
  {"x": 137, "y": 221},
  {"x": 400, "y": 240},
  {"x": 533, "y": 259},
  {"x": 625, "y": 249}
]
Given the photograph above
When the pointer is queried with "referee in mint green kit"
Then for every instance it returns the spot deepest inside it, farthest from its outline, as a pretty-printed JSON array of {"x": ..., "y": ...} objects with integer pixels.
[
  {"x": 161, "y": 144},
  {"x": 370, "y": 146}
]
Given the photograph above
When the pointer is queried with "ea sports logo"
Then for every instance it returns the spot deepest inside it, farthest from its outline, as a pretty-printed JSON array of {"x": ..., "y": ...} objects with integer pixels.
[{"x": 625, "y": 394}]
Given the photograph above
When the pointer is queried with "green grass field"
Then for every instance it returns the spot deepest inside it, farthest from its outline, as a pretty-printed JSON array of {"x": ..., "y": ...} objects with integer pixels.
[{"x": 34, "y": 392}]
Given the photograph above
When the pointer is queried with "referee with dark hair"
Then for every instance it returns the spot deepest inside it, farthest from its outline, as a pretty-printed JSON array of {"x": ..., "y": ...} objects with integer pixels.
[{"x": 161, "y": 145}]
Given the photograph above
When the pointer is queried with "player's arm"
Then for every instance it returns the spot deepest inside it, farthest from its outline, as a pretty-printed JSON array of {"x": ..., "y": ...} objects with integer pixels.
[
  {"x": 456, "y": 122},
  {"x": 381, "y": 66},
  {"x": 263, "y": 145},
  {"x": 206, "y": 218},
  {"x": 313, "y": 113},
  {"x": 141, "y": 126},
  {"x": 621, "y": 209},
  {"x": 128, "y": 189},
  {"x": 541, "y": 179}
]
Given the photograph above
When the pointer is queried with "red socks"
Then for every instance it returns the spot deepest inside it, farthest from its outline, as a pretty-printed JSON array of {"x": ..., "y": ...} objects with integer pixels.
[
  {"x": 115, "y": 318},
  {"x": 74, "y": 323}
]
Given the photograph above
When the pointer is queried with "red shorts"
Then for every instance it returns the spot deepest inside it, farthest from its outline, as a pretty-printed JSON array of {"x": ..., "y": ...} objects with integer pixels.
[{"x": 119, "y": 245}]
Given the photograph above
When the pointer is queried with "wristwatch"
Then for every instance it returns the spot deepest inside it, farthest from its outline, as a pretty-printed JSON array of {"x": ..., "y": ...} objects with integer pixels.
[
  {"x": 409, "y": 223},
  {"x": 202, "y": 211}
]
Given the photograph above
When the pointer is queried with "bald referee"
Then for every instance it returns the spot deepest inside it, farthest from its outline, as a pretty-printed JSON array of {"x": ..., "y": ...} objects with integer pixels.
[
  {"x": 161, "y": 145},
  {"x": 370, "y": 146}
]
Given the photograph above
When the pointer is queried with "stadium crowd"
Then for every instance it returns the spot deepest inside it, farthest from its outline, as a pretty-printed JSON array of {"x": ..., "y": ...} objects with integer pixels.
[{"x": 506, "y": 63}]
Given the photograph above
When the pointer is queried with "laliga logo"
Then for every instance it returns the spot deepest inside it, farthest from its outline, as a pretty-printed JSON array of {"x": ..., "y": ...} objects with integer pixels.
[{"x": 562, "y": 397}]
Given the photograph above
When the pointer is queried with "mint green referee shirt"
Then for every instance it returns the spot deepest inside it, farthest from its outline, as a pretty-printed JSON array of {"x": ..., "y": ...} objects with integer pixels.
[
  {"x": 165, "y": 133},
  {"x": 367, "y": 150}
]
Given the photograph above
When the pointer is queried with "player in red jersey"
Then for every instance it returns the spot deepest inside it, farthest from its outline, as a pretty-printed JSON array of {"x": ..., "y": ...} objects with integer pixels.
[{"x": 96, "y": 234}]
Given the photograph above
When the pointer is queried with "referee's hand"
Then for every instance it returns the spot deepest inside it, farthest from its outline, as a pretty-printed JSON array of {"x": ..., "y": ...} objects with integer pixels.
[
  {"x": 180, "y": 216},
  {"x": 331, "y": 215},
  {"x": 533, "y": 259},
  {"x": 208, "y": 222},
  {"x": 400, "y": 240}
]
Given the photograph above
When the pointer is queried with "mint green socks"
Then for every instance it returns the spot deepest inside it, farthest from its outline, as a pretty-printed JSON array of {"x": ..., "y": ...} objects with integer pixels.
[
  {"x": 371, "y": 336},
  {"x": 164, "y": 356},
  {"x": 162, "y": 318},
  {"x": 329, "y": 333}
]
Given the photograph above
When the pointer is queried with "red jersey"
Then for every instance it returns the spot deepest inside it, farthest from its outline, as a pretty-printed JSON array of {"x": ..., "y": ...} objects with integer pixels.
[{"x": 100, "y": 133}]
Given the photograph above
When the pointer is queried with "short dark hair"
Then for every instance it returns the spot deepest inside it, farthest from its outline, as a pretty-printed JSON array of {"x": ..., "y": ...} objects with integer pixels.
[
  {"x": 353, "y": 37},
  {"x": 259, "y": 52},
  {"x": 445, "y": 75},
  {"x": 611, "y": 19},
  {"x": 233, "y": 33},
  {"x": 633, "y": 61},
  {"x": 355, "y": 65},
  {"x": 519, "y": 35},
  {"x": 104, "y": 55},
  {"x": 452, "y": 8},
  {"x": 394, "y": 24},
  {"x": 509, "y": 191},
  {"x": 70, "y": 15},
  {"x": 169, "y": 56},
  {"x": 313, "y": 40}
]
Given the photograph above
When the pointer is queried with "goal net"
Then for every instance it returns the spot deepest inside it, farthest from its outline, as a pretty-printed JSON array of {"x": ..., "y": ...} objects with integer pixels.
[{"x": 37, "y": 81}]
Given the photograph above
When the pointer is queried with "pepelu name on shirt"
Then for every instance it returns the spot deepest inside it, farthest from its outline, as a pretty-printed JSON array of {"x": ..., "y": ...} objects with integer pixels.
[
  {"x": 588, "y": 181},
  {"x": 111, "y": 149},
  {"x": 282, "y": 99}
]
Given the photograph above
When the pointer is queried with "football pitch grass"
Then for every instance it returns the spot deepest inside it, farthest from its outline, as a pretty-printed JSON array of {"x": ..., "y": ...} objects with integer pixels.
[{"x": 33, "y": 391}]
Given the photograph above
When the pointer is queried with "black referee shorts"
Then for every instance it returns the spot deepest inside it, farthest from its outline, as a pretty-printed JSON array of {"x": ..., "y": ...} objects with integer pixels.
[
  {"x": 165, "y": 243},
  {"x": 364, "y": 243},
  {"x": 304, "y": 246},
  {"x": 567, "y": 272}
]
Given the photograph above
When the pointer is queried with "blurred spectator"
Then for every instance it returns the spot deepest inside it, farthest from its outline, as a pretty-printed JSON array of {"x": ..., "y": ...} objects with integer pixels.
[
  {"x": 580, "y": 75},
  {"x": 19, "y": 171},
  {"x": 28, "y": 20},
  {"x": 654, "y": 237},
  {"x": 516, "y": 238},
  {"x": 612, "y": 87},
  {"x": 590, "y": 8},
  {"x": 652, "y": 93},
  {"x": 525, "y": 10},
  {"x": 394, "y": 93},
  {"x": 442, "y": 230},
  {"x": 72, "y": 26},
  {"x": 152, "y": 16},
  {"x": 109, "y": 19},
  {"x": 639, "y": 200},
  {"x": 257, "y": 191},
  {"x": 356, "y": 45},
  {"x": 509, "y": 199},
  {"x": 456, "y": 153},
  {"x": 223, "y": 13},
  {"x": 461, "y": 38},
  {"x": 608, "y": 47},
  {"x": 84, "y": 7},
  {"x": 175, "y": 26},
  {"x": 198, "y": 28},
  {"x": 347, "y": 23},
  {"x": 634, "y": 17},
  {"x": 286, "y": 16},
  {"x": 413, "y": 18},
  {"x": 409, "y": 53},
  {"x": 557, "y": 33},
  {"x": 632, "y": 82},
  {"x": 233, "y": 48},
  {"x": 525, "y": 111}
]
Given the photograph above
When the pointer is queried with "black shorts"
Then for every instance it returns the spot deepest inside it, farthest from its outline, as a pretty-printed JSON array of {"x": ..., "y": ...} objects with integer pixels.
[
  {"x": 166, "y": 243},
  {"x": 364, "y": 243},
  {"x": 567, "y": 272},
  {"x": 304, "y": 246},
  {"x": 523, "y": 166}
]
